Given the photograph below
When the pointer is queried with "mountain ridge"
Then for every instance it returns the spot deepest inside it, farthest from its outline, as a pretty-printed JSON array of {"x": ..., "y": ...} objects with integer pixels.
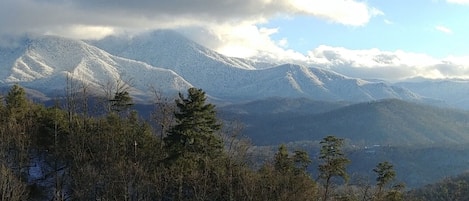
[
  {"x": 48, "y": 61},
  {"x": 172, "y": 63},
  {"x": 454, "y": 92},
  {"x": 212, "y": 74},
  {"x": 385, "y": 122}
]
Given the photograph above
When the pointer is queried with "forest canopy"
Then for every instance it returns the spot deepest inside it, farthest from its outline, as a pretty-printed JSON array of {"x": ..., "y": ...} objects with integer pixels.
[{"x": 184, "y": 152}]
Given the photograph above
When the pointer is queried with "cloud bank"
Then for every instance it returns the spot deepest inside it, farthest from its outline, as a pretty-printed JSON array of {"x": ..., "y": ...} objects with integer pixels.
[
  {"x": 231, "y": 27},
  {"x": 387, "y": 65},
  {"x": 94, "y": 19}
]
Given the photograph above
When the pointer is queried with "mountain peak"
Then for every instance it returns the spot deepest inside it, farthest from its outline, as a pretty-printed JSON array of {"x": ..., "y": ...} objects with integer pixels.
[
  {"x": 172, "y": 63},
  {"x": 47, "y": 61}
]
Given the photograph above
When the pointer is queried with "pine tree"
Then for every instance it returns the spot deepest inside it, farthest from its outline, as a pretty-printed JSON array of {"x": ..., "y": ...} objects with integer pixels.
[
  {"x": 192, "y": 144},
  {"x": 334, "y": 162},
  {"x": 295, "y": 164},
  {"x": 286, "y": 177},
  {"x": 16, "y": 102},
  {"x": 385, "y": 174},
  {"x": 121, "y": 102},
  {"x": 195, "y": 133},
  {"x": 283, "y": 163}
]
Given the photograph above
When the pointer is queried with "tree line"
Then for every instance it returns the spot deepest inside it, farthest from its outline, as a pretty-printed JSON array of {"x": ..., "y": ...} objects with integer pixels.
[{"x": 184, "y": 152}]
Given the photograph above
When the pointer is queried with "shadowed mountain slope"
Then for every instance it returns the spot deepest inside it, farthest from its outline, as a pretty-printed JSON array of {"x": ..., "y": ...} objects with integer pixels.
[{"x": 385, "y": 122}]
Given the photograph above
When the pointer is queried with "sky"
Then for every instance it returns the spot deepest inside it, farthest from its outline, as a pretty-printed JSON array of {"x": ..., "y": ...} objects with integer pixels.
[{"x": 376, "y": 39}]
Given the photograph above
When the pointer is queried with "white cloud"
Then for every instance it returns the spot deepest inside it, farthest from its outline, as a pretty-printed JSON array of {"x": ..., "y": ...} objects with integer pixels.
[
  {"x": 41, "y": 16},
  {"x": 387, "y": 65},
  {"x": 463, "y": 2},
  {"x": 283, "y": 43},
  {"x": 231, "y": 27},
  {"x": 250, "y": 41},
  {"x": 244, "y": 40},
  {"x": 345, "y": 12},
  {"x": 443, "y": 29},
  {"x": 386, "y": 21},
  {"x": 82, "y": 31}
]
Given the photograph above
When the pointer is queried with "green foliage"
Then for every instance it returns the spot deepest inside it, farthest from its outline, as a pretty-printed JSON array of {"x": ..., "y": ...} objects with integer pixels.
[
  {"x": 333, "y": 159},
  {"x": 193, "y": 144},
  {"x": 385, "y": 173},
  {"x": 301, "y": 159},
  {"x": 283, "y": 162},
  {"x": 11, "y": 187},
  {"x": 16, "y": 98},
  {"x": 16, "y": 102},
  {"x": 333, "y": 162},
  {"x": 395, "y": 194},
  {"x": 286, "y": 164},
  {"x": 121, "y": 102},
  {"x": 286, "y": 177},
  {"x": 52, "y": 128},
  {"x": 452, "y": 188},
  {"x": 274, "y": 184},
  {"x": 114, "y": 158},
  {"x": 194, "y": 135}
]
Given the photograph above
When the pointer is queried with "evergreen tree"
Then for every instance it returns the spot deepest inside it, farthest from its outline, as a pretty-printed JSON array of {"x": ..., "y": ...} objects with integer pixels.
[
  {"x": 16, "y": 102},
  {"x": 121, "y": 102},
  {"x": 386, "y": 174},
  {"x": 2, "y": 103},
  {"x": 194, "y": 134},
  {"x": 286, "y": 177},
  {"x": 333, "y": 162},
  {"x": 296, "y": 164},
  {"x": 283, "y": 163},
  {"x": 192, "y": 144}
]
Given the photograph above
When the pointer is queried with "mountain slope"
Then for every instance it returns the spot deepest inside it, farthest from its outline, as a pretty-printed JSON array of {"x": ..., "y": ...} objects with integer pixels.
[
  {"x": 169, "y": 49},
  {"x": 43, "y": 64},
  {"x": 232, "y": 78},
  {"x": 386, "y": 122},
  {"x": 454, "y": 92},
  {"x": 46, "y": 61},
  {"x": 283, "y": 106}
]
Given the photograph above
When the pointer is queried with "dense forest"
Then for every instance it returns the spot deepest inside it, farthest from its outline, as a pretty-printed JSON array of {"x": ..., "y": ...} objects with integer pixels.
[{"x": 79, "y": 149}]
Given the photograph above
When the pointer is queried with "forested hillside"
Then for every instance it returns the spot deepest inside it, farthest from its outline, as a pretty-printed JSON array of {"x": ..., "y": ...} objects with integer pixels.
[
  {"x": 409, "y": 135},
  {"x": 384, "y": 122},
  {"x": 183, "y": 153},
  {"x": 62, "y": 153},
  {"x": 451, "y": 188}
]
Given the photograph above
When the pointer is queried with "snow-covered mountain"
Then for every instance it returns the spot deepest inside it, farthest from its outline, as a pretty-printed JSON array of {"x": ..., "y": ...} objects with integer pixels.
[
  {"x": 236, "y": 78},
  {"x": 172, "y": 63},
  {"x": 43, "y": 63},
  {"x": 200, "y": 66},
  {"x": 453, "y": 92},
  {"x": 169, "y": 49}
]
